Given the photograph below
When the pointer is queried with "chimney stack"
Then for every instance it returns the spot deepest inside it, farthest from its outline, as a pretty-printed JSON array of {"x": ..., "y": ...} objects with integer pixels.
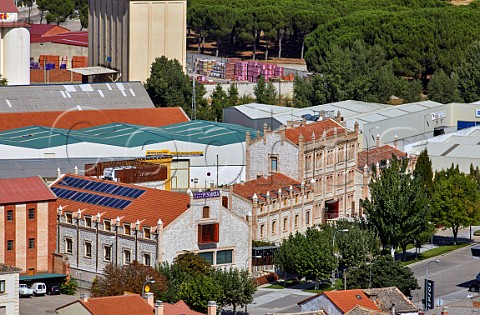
[
  {"x": 84, "y": 297},
  {"x": 159, "y": 308},
  {"x": 212, "y": 308},
  {"x": 393, "y": 309},
  {"x": 444, "y": 311},
  {"x": 377, "y": 140},
  {"x": 149, "y": 298}
]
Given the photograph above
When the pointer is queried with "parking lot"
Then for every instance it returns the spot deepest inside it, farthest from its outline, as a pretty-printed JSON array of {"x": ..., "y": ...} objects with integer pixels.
[{"x": 45, "y": 304}]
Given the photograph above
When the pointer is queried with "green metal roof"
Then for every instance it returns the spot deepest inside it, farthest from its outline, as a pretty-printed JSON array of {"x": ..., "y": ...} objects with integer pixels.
[
  {"x": 41, "y": 276},
  {"x": 128, "y": 136}
]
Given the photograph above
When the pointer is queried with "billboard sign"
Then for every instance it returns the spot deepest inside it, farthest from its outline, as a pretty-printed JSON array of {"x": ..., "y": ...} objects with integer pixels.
[
  {"x": 429, "y": 295},
  {"x": 206, "y": 194},
  {"x": 8, "y": 17}
]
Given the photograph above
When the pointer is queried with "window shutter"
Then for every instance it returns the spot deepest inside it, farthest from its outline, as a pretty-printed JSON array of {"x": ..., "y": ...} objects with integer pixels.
[
  {"x": 200, "y": 234},
  {"x": 215, "y": 232}
]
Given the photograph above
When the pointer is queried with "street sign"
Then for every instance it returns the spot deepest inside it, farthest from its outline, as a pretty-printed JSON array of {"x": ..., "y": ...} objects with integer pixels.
[
  {"x": 206, "y": 194},
  {"x": 429, "y": 295}
]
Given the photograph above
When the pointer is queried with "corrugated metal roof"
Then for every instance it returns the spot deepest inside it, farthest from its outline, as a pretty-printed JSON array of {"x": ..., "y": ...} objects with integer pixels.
[
  {"x": 125, "y": 135},
  {"x": 42, "y": 98},
  {"x": 258, "y": 110}
]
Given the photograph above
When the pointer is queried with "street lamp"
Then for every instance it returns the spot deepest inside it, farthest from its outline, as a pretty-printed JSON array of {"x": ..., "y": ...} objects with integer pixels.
[
  {"x": 146, "y": 288},
  {"x": 426, "y": 278},
  {"x": 368, "y": 147},
  {"x": 248, "y": 269},
  {"x": 334, "y": 272}
]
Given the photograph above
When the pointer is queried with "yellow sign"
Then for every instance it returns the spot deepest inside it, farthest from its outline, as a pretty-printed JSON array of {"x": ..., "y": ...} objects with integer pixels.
[
  {"x": 147, "y": 289},
  {"x": 174, "y": 153}
]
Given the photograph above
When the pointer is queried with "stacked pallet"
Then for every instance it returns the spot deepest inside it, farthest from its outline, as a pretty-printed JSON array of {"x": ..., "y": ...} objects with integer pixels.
[
  {"x": 49, "y": 61},
  {"x": 79, "y": 61},
  {"x": 255, "y": 70},
  {"x": 205, "y": 66},
  {"x": 241, "y": 70}
]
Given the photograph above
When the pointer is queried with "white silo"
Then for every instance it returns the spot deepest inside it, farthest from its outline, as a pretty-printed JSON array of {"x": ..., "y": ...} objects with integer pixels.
[{"x": 16, "y": 56}]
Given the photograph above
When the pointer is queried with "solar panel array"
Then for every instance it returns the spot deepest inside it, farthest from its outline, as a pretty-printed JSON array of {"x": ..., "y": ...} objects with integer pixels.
[
  {"x": 93, "y": 199},
  {"x": 111, "y": 189}
]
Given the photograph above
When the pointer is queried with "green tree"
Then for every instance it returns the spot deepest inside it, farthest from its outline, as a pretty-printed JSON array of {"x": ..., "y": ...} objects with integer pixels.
[
  {"x": 237, "y": 287},
  {"x": 398, "y": 206},
  {"x": 309, "y": 91},
  {"x": 131, "y": 278},
  {"x": 3, "y": 81},
  {"x": 443, "y": 88},
  {"x": 193, "y": 264},
  {"x": 42, "y": 7},
  {"x": 423, "y": 172},
  {"x": 383, "y": 272},
  {"x": 265, "y": 92},
  {"x": 169, "y": 86},
  {"x": 308, "y": 254},
  {"x": 469, "y": 74},
  {"x": 455, "y": 200},
  {"x": 59, "y": 10},
  {"x": 219, "y": 102},
  {"x": 197, "y": 291},
  {"x": 232, "y": 97}
]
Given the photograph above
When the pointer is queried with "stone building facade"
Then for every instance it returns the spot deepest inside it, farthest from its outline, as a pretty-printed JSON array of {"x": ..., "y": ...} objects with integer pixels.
[{"x": 323, "y": 153}]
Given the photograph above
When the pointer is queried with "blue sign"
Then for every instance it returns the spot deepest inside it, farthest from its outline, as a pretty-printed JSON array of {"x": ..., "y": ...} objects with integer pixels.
[{"x": 206, "y": 194}]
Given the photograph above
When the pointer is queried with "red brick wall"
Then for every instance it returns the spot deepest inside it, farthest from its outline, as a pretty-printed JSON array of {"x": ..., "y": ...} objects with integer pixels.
[
  {"x": 10, "y": 235},
  {"x": 31, "y": 233},
  {"x": 54, "y": 76}
]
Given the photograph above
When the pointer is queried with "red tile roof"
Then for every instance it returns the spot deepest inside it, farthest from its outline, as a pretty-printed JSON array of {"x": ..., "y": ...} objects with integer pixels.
[
  {"x": 39, "y": 30},
  {"x": 261, "y": 185},
  {"x": 152, "y": 205},
  {"x": 118, "y": 305},
  {"x": 7, "y": 6},
  {"x": 69, "y": 38},
  {"x": 78, "y": 119},
  {"x": 317, "y": 127},
  {"x": 349, "y": 299},
  {"x": 178, "y": 308},
  {"x": 23, "y": 190},
  {"x": 378, "y": 154}
]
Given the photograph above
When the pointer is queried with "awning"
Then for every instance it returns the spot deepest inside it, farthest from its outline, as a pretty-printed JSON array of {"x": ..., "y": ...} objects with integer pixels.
[
  {"x": 42, "y": 276},
  {"x": 93, "y": 70}
]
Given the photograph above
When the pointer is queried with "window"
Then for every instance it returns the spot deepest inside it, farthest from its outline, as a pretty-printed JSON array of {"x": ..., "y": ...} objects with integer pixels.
[
  {"x": 307, "y": 217},
  {"x": 274, "y": 227},
  {"x": 262, "y": 230},
  {"x": 2, "y": 286},
  {"x": 206, "y": 212},
  {"x": 107, "y": 226},
  {"x": 10, "y": 215},
  {"x": 329, "y": 157},
  {"x": 31, "y": 243},
  {"x": 285, "y": 224},
  {"x": 88, "y": 249},
  {"x": 146, "y": 259},
  {"x": 127, "y": 256},
  {"x": 225, "y": 202},
  {"x": 68, "y": 245},
  {"x": 107, "y": 253},
  {"x": 208, "y": 256},
  {"x": 88, "y": 221},
  {"x": 146, "y": 233},
  {"x": 208, "y": 233},
  {"x": 224, "y": 257},
  {"x": 341, "y": 154},
  {"x": 296, "y": 221},
  {"x": 10, "y": 245},
  {"x": 69, "y": 217},
  {"x": 31, "y": 213},
  {"x": 273, "y": 164},
  {"x": 127, "y": 230}
]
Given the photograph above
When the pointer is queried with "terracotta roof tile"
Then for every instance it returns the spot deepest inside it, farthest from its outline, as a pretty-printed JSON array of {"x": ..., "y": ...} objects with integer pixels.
[
  {"x": 118, "y": 305},
  {"x": 16, "y": 190},
  {"x": 7, "y": 6},
  {"x": 348, "y": 299},
  {"x": 152, "y": 205},
  {"x": 178, "y": 308},
  {"x": 385, "y": 297},
  {"x": 318, "y": 128},
  {"x": 78, "y": 119},
  {"x": 378, "y": 154},
  {"x": 261, "y": 185},
  {"x": 360, "y": 310}
]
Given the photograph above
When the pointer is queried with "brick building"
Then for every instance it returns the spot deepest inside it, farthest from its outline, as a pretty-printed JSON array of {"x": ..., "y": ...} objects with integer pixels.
[
  {"x": 27, "y": 224},
  {"x": 323, "y": 153},
  {"x": 102, "y": 222}
]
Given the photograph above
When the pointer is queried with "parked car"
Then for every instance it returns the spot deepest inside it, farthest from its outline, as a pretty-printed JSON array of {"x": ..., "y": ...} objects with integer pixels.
[
  {"x": 24, "y": 290},
  {"x": 39, "y": 288},
  {"x": 478, "y": 277},
  {"x": 474, "y": 287},
  {"x": 53, "y": 288}
]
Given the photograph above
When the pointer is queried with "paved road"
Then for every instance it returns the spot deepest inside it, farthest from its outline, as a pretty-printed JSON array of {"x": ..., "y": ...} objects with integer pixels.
[{"x": 47, "y": 304}]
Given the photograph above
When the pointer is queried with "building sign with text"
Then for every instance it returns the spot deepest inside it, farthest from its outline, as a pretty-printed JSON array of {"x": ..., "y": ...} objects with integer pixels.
[
  {"x": 429, "y": 295},
  {"x": 206, "y": 194},
  {"x": 8, "y": 17}
]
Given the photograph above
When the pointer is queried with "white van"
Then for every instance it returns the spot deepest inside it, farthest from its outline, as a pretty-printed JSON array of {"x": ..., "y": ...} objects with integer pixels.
[{"x": 39, "y": 288}]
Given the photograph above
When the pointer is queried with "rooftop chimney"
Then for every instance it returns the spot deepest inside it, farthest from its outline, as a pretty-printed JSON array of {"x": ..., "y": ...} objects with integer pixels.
[
  {"x": 149, "y": 298},
  {"x": 84, "y": 297},
  {"x": 393, "y": 309},
  {"x": 444, "y": 311},
  {"x": 159, "y": 308},
  {"x": 212, "y": 308}
]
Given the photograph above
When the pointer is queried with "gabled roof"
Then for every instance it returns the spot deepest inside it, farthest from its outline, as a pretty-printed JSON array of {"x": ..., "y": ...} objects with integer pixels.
[
  {"x": 318, "y": 128},
  {"x": 348, "y": 299},
  {"x": 118, "y": 305},
  {"x": 385, "y": 297},
  {"x": 378, "y": 154},
  {"x": 7, "y": 6},
  {"x": 8, "y": 269},
  {"x": 262, "y": 185},
  {"x": 151, "y": 205},
  {"x": 179, "y": 308},
  {"x": 39, "y": 30},
  {"x": 23, "y": 190},
  {"x": 360, "y": 310},
  {"x": 76, "y": 119}
]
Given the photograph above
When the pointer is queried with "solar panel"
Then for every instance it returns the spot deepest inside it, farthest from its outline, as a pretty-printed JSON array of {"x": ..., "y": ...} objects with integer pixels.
[
  {"x": 106, "y": 188},
  {"x": 90, "y": 198}
]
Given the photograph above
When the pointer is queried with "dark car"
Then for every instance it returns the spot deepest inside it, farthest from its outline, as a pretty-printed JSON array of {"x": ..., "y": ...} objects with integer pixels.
[
  {"x": 474, "y": 287},
  {"x": 53, "y": 288}
]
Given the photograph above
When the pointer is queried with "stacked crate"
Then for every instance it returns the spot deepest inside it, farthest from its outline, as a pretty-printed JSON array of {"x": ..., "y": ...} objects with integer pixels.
[
  {"x": 218, "y": 70},
  {"x": 49, "y": 61},
  {"x": 205, "y": 66},
  {"x": 279, "y": 71},
  {"x": 241, "y": 70}
]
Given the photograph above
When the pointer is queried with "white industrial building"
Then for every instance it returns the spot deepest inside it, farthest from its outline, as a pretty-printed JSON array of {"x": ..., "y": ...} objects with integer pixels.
[{"x": 204, "y": 153}]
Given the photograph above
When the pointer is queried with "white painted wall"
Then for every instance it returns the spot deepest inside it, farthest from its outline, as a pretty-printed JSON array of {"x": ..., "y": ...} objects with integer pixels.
[{"x": 10, "y": 299}]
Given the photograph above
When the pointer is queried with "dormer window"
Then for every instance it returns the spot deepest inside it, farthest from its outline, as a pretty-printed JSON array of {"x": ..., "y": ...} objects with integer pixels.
[
  {"x": 146, "y": 233},
  {"x": 88, "y": 221},
  {"x": 127, "y": 229},
  {"x": 69, "y": 217},
  {"x": 107, "y": 226}
]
